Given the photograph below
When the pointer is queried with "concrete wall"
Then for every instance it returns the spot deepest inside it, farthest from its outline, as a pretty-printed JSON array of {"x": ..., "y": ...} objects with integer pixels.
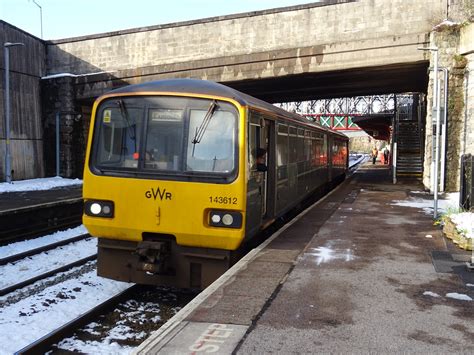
[
  {"x": 306, "y": 38},
  {"x": 27, "y": 65}
]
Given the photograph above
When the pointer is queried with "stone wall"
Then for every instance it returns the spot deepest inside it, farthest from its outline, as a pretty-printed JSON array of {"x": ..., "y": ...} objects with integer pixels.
[
  {"x": 466, "y": 52},
  {"x": 453, "y": 42},
  {"x": 59, "y": 102}
]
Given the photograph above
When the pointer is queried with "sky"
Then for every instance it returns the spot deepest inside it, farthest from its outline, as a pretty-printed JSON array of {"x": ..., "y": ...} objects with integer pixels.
[{"x": 71, "y": 18}]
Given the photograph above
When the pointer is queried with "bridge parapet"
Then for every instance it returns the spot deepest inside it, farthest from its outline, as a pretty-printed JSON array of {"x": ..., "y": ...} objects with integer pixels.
[{"x": 311, "y": 38}]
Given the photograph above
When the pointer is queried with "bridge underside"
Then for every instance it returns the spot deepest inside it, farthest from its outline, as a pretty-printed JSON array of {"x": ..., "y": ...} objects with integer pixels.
[
  {"x": 376, "y": 125},
  {"x": 398, "y": 78},
  {"x": 376, "y": 80}
]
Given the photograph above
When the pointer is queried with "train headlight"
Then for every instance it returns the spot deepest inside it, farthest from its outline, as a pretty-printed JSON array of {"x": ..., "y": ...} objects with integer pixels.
[
  {"x": 226, "y": 219},
  {"x": 96, "y": 208}
]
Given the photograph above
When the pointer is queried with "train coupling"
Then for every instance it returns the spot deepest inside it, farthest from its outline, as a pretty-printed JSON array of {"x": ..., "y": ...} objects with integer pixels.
[{"x": 153, "y": 256}]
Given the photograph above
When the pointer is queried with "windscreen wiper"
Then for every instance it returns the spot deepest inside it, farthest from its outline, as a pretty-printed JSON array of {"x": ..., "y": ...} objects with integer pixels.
[
  {"x": 203, "y": 126},
  {"x": 124, "y": 113}
]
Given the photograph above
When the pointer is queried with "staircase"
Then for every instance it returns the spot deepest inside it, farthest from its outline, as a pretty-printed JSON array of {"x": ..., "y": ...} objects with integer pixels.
[{"x": 410, "y": 152}]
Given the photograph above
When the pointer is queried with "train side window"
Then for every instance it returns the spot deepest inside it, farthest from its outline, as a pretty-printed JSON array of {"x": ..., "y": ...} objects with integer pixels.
[
  {"x": 293, "y": 145},
  {"x": 254, "y": 137},
  {"x": 282, "y": 145}
]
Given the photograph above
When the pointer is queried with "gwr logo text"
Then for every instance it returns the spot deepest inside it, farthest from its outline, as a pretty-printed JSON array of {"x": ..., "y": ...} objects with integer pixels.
[{"x": 152, "y": 193}]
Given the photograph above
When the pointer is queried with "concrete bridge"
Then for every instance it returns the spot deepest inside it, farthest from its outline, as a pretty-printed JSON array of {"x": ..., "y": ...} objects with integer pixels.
[
  {"x": 329, "y": 49},
  {"x": 333, "y": 48}
]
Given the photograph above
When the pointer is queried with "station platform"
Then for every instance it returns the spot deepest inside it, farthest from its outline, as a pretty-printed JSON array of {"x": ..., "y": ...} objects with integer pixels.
[
  {"x": 12, "y": 202},
  {"x": 357, "y": 272}
]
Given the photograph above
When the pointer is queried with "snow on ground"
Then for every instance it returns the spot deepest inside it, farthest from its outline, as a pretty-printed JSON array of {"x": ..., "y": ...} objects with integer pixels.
[
  {"x": 38, "y": 184},
  {"x": 357, "y": 158},
  {"x": 448, "y": 204},
  {"x": 432, "y": 294},
  {"x": 13, "y": 273},
  {"x": 425, "y": 202},
  {"x": 19, "y": 247},
  {"x": 464, "y": 221},
  {"x": 325, "y": 254},
  {"x": 33, "y": 317},
  {"x": 106, "y": 347},
  {"x": 458, "y": 296}
]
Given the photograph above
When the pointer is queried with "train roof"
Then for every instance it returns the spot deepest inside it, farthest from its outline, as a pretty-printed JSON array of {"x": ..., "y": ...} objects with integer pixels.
[{"x": 211, "y": 88}]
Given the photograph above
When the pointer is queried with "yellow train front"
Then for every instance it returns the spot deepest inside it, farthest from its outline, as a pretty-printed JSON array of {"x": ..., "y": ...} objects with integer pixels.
[{"x": 171, "y": 187}]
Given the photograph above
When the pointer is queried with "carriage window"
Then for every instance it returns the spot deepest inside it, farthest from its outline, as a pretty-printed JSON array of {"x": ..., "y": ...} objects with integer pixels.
[
  {"x": 282, "y": 145},
  {"x": 215, "y": 152}
]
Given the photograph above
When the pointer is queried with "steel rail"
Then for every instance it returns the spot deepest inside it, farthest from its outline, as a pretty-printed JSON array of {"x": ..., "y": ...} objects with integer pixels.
[
  {"x": 22, "y": 284},
  {"x": 19, "y": 256},
  {"x": 44, "y": 344}
]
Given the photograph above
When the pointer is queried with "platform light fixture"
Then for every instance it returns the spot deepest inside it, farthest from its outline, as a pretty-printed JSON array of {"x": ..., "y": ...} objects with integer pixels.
[
  {"x": 6, "y": 51},
  {"x": 41, "y": 16},
  {"x": 436, "y": 108}
]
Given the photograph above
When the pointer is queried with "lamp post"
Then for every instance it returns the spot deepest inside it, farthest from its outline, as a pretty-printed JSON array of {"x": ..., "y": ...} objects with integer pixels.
[
  {"x": 41, "y": 16},
  {"x": 436, "y": 108},
  {"x": 6, "y": 48}
]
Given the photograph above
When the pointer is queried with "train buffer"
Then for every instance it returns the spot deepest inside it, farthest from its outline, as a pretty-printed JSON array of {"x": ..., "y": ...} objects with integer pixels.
[{"x": 364, "y": 270}]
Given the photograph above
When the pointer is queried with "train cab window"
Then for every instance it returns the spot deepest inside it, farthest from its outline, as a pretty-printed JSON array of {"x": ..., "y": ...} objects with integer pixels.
[
  {"x": 215, "y": 151},
  {"x": 163, "y": 139},
  {"x": 119, "y": 136},
  {"x": 166, "y": 137}
]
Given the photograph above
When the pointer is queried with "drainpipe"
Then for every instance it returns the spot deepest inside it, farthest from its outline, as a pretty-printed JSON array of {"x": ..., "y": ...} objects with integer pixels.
[{"x": 443, "y": 132}]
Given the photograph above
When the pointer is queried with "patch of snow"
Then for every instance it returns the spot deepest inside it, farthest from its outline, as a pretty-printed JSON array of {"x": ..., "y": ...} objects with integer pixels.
[
  {"x": 357, "y": 158},
  {"x": 464, "y": 222},
  {"x": 459, "y": 296},
  {"x": 450, "y": 201},
  {"x": 70, "y": 75},
  {"x": 432, "y": 294},
  {"x": 324, "y": 254},
  {"x": 106, "y": 347},
  {"x": 38, "y": 184},
  {"x": 428, "y": 236},
  {"x": 445, "y": 23},
  {"x": 19, "y": 247},
  {"x": 470, "y": 285}
]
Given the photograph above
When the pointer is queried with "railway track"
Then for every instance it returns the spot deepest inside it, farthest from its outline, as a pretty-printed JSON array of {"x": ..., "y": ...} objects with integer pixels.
[
  {"x": 42, "y": 276},
  {"x": 31, "y": 252},
  {"x": 113, "y": 310},
  {"x": 36, "y": 252},
  {"x": 45, "y": 343}
]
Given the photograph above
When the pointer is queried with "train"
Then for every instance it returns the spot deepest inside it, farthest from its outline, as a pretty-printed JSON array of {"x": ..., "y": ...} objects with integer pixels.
[{"x": 181, "y": 174}]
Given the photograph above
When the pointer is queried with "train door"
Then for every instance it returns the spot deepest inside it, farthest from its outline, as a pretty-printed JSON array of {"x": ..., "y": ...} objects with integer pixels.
[
  {"x": 329, "y": 144},
  {"x": 258, "y": 181}
]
